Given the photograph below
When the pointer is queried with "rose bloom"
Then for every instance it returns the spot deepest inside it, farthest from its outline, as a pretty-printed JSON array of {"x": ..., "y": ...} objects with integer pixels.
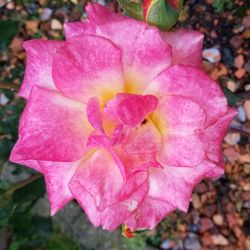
[{"x": 121, "y": 118}]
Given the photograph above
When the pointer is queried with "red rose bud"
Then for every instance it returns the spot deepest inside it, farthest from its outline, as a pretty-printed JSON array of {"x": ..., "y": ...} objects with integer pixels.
[{"x": 162, "y": 13}]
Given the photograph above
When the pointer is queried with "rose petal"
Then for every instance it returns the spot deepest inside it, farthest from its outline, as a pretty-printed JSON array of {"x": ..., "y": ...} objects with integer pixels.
[
  {"x": 149, "y": 214},
  {"x": 52, "y": 128},
  {"x": 186, "y": 46},
  {"x": 181, "y": 143},
  {"x": 88, "y": 66},
  {"x": 144, "y": 53},
  {"x": 194, "y": 84},
  {"x": 57, "y": 176},
  {"x": 214, "y": 135},
  {"x": 175, "y": 184},
  {"x": 38, "y": 66},
  {"x": 102, "y": 178},
  {"x": 99, "y": 188},
  {"x": 133, "y": 109}
]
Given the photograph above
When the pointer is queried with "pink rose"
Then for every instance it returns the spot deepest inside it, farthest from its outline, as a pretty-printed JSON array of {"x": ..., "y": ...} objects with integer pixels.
[{"x": 121, "y": 118}]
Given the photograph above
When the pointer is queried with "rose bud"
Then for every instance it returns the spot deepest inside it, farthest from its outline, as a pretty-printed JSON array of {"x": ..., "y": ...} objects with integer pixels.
[{"x": 160, "y": 13}]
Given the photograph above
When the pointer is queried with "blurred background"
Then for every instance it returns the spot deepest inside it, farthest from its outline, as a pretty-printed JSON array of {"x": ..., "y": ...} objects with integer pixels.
[{"x": 218, "y": 217}]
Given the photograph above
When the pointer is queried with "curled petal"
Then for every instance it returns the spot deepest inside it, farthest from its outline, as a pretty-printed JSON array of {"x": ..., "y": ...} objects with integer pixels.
[
  {"x": 181, "y": 143},
  {"x": 42, "y": 134},
  {"x": 213, "y": 136},
  {"x": 186, "y": 46},
  {"x": 133, "y": 109},
  {"x": 100, "y": 189},
  {"x": 144, "y": 53},
  {"x": 191, "y": 83},
  {"x": 174, "y": 185},
  {"x": 149, "y": 214},
  {"x": 57, "y": 176},
  {"x": 88, "y": 66},
  {"x": 38, "y": 65}
]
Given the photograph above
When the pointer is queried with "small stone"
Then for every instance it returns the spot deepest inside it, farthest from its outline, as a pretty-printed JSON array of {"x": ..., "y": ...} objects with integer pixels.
[
  {"x": 241, "y": 114},
  {"x": 231, "y": 85},
  {"x": 32, "y": 27},
  {"x": 232, "y": 138},
  {"x": 246, "y": 22},
  {"x": 16, "y": 45},
  {"x": 240, "y": 73},
  {"x": 246, "y": 186},
  {"x": 3, "y": 99},
  {"x": 208, "y": 67},
  {"x": 218, "y": 219},
  {"x": 247, "y": 243},
  {"x": 56, "y": 25},
  {"x": 46, "y": 14},
  {"x": 196, "y": 201},
  {"x": 236, "y": 41},
  {"x": 167, "y": 244},
  {"x": 213, "y": 55},
  {"x": 246, "y": 196},
  {"x": 206, "y": 239},
  {"x": 206, "y": 224},
  {"x": 246, "y": 107},
  {"x": 239, "y": 61},
  {"x": 244, "y": 158},
  {"x": 247, "y": 87},
  {"x": 246, "y": 34},
  {"x": 219, "y": 240},
  {"x": 246, "y": 168},
  {"x": 192, "y": 243},
  {"x": 219, "y": 71},
  {"x": 231, "y": 155}
]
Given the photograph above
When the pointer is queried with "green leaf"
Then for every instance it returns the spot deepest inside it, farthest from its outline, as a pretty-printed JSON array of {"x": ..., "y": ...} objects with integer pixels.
[
  {"x": 232, "y": 98},
  {"x": 8, "y": 29},
  {"x": 25, "y": 197}
]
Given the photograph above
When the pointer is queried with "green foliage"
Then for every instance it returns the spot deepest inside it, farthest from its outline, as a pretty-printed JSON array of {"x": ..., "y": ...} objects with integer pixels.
[
  {"x": 8, "y": 29},
  {"x": 232, "y": 98},
  {"x": 29, "y": 231},
  {"x": 222, "y": 5}
]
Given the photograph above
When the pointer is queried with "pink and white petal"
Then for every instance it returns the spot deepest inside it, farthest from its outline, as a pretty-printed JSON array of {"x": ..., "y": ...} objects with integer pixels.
[
  {"x": 181, "y": 151},
  {"x": 102, "y": 178},
  {"x": 191, "y": 83},
  {"x": 137, "y": 157},
  {"x": 72, "y": 29},
  {"x": 99, "y": 188},
  {"x": 99, "y": 14},
  {"x": 179, "y": 115},
  {"x": 132, "y": 109},
  {"x": 38, "y": 65},
  {"x": 94, "y": 114},
  {"x": 179, "y": 132},
  {"x": 149, "y": 214},
  {"x": 112, "y": 216},
  {"x": 144, "y": 53},
  {"x": 175, "y": 184},
  {"x": 186, "y": 46},
  {"x": 57, "y": 176},
  {"x": 88, "y": 66},
  {"x": 52, "y": 128},
  {"x": 214, "y": 135}
]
